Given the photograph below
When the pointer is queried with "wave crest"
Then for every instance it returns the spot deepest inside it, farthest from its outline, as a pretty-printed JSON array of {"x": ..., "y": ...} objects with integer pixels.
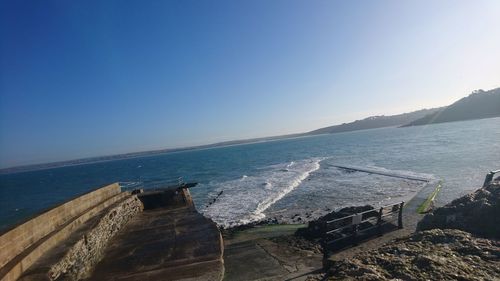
[{"x": 245, "y": 201}]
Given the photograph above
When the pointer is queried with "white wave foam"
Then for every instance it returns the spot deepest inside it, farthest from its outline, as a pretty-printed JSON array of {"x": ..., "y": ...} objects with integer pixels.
[
  {"x": 130, "y": 185},
  {"x": 292, "y": 185},
  {"x": 244, "y": 200},
  {"x": 410, "y": 175}
]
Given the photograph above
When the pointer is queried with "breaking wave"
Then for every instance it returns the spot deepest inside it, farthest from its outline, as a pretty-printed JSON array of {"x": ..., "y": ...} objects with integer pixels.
[{"x": 245, "y": 199}]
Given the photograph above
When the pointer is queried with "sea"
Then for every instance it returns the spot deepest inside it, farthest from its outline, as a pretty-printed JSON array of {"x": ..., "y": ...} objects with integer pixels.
[{"x": 282, "y": 178}]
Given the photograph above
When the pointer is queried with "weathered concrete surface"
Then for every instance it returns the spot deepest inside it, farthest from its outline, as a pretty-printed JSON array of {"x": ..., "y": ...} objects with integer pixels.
[
  {"x": 249, "y": 261},
  {"x": 73, "y": 258},
  {"x": 429, "y": 255},
  {"x": 170, "y": 242},
  {"x": 164, "y": 244},
  {"x": 477, "y": 213},
  {"x": 269, "y": 253}
]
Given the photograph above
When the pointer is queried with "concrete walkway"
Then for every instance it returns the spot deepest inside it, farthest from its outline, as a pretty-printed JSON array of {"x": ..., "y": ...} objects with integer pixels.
[
  {"x": 164, "y": 244},
  {"x": 263, "y": 253}
]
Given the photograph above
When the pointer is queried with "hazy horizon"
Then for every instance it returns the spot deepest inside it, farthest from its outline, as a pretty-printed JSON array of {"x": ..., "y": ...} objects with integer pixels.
[
  {"x": 185, "y": 146},
  {"x": 81, "y": 80}
]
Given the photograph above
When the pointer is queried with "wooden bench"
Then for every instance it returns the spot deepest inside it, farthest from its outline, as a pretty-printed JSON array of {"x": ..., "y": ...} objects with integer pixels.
[{"x": 350, "y": 230}]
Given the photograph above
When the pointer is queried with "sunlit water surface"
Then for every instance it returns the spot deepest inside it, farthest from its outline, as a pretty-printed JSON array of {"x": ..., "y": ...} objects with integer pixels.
[{"x": 278, "y": 178}]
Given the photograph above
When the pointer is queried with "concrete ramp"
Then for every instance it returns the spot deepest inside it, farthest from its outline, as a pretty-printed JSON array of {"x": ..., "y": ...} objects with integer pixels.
[
  {"x": 108, "y": 234},
  {"x": 169, "y": 242}
]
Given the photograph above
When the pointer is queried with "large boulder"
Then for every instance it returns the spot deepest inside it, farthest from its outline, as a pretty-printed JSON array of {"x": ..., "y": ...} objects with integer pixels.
[
  {"x": 477, "y": 213},
  {"x": 429, "y": 255}
]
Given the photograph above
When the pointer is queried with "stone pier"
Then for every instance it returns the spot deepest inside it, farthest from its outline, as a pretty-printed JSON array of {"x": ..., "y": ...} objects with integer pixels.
[{"x": 110, "y": 234}]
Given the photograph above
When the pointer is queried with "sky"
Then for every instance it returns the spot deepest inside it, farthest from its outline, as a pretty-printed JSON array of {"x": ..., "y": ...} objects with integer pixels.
[{"x": 91, "y": 78}]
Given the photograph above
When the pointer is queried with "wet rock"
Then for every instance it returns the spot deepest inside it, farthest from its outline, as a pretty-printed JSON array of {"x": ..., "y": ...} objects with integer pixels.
[
  {"x": 429, "y": 255},
  {"x": 477, "y": 213}
]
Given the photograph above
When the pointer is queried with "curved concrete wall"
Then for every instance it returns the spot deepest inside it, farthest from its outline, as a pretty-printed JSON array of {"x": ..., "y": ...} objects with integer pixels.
[
  {"x": 76, "y": 256},
  {"x": 16, "y": 240}
]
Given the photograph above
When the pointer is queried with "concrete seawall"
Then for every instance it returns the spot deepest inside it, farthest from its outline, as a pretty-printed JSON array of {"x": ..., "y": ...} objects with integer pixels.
[
  {"x": 13, "y": 242},
  {"x": 75, "y": 257},
  {"x": 21, "y": 246},
  {"x": 69, "y": 241}
]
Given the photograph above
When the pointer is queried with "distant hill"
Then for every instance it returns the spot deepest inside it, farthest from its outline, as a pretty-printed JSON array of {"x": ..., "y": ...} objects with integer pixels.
[
  {"x": 376, "y": 122},
  {"x": 480, "y": 104}
]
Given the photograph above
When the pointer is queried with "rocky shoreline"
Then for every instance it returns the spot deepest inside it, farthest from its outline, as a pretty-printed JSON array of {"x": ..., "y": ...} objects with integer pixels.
[
  {"x": 306, "y": 238},
  {"x": 458, "y": 241},
  {"x": 438, "y": 254},
  {"x": 477, "y": 213}
]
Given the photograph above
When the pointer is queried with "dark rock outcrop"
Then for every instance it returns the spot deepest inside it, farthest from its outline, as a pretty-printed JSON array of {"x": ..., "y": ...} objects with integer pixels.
[
  {"x": 477, "y": 213},
  {"x": 429, "y": 255}
]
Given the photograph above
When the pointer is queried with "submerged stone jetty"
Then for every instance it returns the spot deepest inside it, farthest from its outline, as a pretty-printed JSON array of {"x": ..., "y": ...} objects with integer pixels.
[{"x": 456, "y": 242}]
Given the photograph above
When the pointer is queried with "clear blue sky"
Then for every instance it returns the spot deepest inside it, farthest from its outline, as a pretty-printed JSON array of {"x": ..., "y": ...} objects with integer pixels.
[{"x": 90, "y": 78}]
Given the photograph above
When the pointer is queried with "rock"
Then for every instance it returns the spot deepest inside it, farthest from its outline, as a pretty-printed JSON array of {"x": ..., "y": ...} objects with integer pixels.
[
  {"x": 429, "y": 255},
  {"x": 477, "y": 213}
]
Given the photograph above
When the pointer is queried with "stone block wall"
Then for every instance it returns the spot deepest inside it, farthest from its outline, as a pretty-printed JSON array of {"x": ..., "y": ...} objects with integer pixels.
[
  {"x": 15, "y": 241},
  {"x": 78, "y": 262}
]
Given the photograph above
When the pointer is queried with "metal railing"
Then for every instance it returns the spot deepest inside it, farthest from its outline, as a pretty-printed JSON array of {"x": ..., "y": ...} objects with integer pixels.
[
  {"x": 350, "y": 228},
  {"x": 155, "y": 185}
]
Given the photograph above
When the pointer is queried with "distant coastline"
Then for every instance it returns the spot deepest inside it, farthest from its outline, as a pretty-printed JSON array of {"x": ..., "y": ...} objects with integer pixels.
[
  {"x": 478, "y": 105},
  {"x": 99, "y": 159}
]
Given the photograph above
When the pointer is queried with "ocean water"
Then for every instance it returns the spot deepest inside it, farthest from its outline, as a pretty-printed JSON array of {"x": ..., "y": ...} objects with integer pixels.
[{"x": 244, "y": 183}]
